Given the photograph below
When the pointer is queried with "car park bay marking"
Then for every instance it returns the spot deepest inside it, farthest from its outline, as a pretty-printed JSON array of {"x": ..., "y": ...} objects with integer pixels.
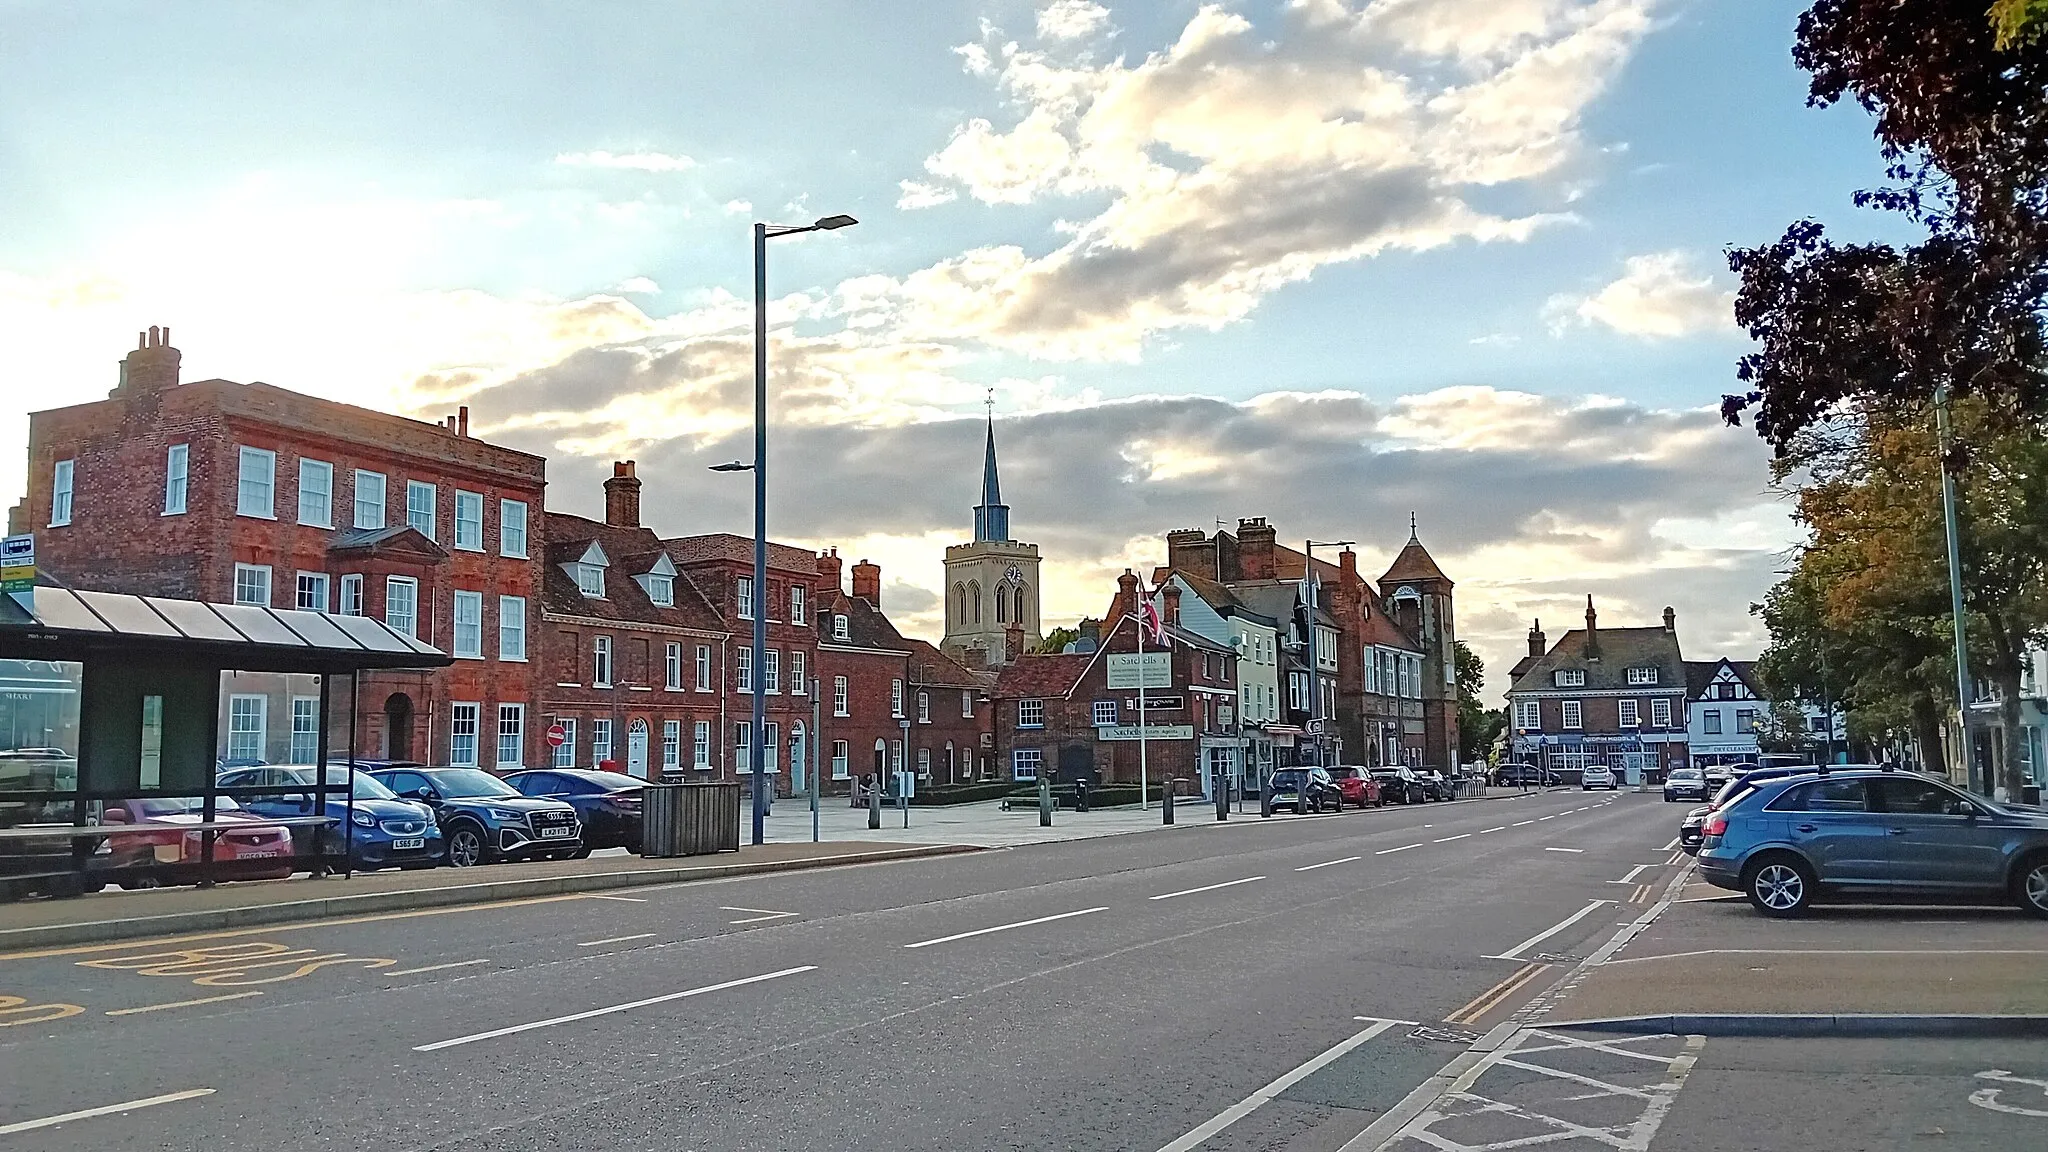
[
  {"x": 1402, "y": 848},
  {"x": 105, "y": 1110},
  {"x": 1670, "y": 846},
  {"x": 1204, "y": 888},
  {"x": 1006, "y": 927},
  {"x": 1515, "y": 952},
  {"x": 1327, "y": 863},
  {"x": 182, "y": 1003},
  {"x": 515, "y": 1029},
  {"x": 616, "y": 939},
  {"x": 1252, "y": 1103}
]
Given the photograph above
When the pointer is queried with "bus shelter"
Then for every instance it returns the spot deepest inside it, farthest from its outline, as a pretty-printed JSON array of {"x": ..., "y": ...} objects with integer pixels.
[{"x": 119, "y": 713}]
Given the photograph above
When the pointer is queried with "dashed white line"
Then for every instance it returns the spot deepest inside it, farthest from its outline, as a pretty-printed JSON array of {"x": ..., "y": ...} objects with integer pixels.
[
  {"x": 1519, "y": 823},
  {"x": 1204, "y": 888},
  {"x": 1498, "y": 828},
  {"x": 1005, "y": 927},
  {"x": 615, "y": 940},
  {"x": 515, "y": 1029},
  {"x": 1564, "y": 849},
  {"x": 1550, "y": 817},
  {"x": 107, "y": 1110},
  {"x": 1515, "y": 952},
  {"x": 1327, "y": 863},
  {"x": 1670, "y": 846},
  {"x": 1448, "y": 839},
  {"x": 433, "y": 968},
  {"x": 1402, "y": 848}
]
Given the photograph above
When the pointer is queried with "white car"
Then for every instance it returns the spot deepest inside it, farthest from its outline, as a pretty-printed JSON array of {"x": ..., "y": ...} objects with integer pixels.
[{"x": 1598, "y": 776}]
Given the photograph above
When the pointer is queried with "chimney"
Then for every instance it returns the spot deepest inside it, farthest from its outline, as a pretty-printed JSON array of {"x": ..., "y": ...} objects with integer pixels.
[
  {"x": 1190, "y": 551},
  {"x": 1537, "y": 645},
  {"x": 152, "y": 367},
  {"x": 1013, "y": 643},
  {"x": 829, "y": 574},
  {"x": 1171, "y": 612},
  {"x": 462, "y": 421},
  {"x": 1670, "y": 619},
  {"x": 1347, "y": 567},
  {"x": 1254, "y": 549},
  {"x": 448, "y": 424},
  {"x": 867, "y": 583},
  {"x": 1592, "y": 631},
  {"x": 1126, "y": 598},
  {"x": 622, "y": 496}
]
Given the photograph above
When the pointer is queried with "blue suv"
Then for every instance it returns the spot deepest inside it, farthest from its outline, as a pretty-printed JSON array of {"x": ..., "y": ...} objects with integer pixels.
[
  {"x": 484, "y": 819},
  {"x": 386, "y": 832}
]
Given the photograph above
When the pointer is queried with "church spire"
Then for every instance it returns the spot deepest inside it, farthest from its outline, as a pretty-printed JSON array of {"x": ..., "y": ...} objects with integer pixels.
[{"x": 991, "y": 516}]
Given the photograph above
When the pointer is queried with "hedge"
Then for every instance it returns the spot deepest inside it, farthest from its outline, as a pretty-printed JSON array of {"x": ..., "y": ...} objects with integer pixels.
[{"x": 958, "y": 794}]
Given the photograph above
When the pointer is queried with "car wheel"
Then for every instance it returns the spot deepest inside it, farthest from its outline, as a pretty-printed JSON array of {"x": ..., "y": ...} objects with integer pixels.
[
  {"x": 465, "y": 845},
  {"x": 1778, "y": 885},
  {"x": 2030, "y": 885}
]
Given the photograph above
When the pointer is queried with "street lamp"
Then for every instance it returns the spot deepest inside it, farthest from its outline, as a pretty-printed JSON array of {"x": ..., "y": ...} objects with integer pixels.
[
  {"x": 1308, "y": 578},
  {"x": 759, "y": 737}
]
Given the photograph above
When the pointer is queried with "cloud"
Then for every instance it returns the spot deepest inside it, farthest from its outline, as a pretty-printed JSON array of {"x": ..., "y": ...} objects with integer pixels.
[
  {"x": 1657, "y": 297},
  {"x": 637, "y": 286},
  {"x": 917, "y": 194},
  {"x": 1071, "y": 19},
  {"x": 637, "y": 161},
  {"x": 738, "y": 207}
]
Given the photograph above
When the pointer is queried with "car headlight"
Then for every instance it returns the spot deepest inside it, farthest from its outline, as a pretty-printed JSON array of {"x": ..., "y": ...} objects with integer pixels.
[
  {"x": 506, "y": 814},
  {"x": 364, "y": 820}
]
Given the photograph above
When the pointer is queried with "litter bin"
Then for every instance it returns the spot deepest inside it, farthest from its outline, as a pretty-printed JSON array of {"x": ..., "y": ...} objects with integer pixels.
[
  {"x": 2030, "y": 794},
  {"x": 690, "y": 819}
]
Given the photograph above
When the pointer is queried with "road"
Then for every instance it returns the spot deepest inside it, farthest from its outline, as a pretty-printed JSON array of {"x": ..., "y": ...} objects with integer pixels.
[{"x": 1117, "y": 993}]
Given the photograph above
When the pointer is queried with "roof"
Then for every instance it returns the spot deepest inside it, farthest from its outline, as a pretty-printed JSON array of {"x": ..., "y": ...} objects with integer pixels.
[
  {"x": 866, "y": 626},
  {"x": 1381, "y": 629},
  {"x": 1048, "y": 674},
  {"x": 630, "y": 552},
  {"x": 391, "y": 537},
  {"x": 1414, "y": 563},
  {"x": 68, "y": 624},
  {"x": 1620, "y": 650},
  {"x": 1216, "y": 595},
  {"x": 1700, "y": 673},
  {"x": 933, "y": 668},
  {"x": 1276, "y": 600},
  {"x": 740, "y": 549}
]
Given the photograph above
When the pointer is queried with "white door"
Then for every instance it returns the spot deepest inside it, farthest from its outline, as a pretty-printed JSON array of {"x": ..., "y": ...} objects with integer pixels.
[
  {"x": 636, "y": 749},
  {"x": 799, "y": 762}
]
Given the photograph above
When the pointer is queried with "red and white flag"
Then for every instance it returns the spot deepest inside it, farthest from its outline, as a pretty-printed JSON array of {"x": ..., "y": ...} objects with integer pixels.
[{"x": 1148, "y": 619}]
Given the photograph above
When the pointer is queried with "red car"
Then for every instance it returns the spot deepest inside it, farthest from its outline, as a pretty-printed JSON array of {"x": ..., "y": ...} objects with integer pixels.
[
  {"x": 250, "y": 850},
  {"x": 1357, "y": 786}
]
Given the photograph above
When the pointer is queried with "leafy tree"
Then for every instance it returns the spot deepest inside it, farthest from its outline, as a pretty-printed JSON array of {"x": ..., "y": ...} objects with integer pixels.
[
  {"x": 1057, "y": 640},
  {"x": 2019, "y": 21},
  {"x": 1477, "y": 724}
]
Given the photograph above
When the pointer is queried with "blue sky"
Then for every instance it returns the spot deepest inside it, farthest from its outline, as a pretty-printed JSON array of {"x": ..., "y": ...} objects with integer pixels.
[{"x": 542, "y": 210}]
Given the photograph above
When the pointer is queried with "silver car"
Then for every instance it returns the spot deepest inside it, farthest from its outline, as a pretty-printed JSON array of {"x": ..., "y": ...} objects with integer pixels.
[{"x": 1872, "y": 832}]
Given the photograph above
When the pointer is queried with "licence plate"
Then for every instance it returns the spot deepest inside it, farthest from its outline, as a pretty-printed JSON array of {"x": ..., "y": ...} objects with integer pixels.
[
  {"x": 260, "y": 854},
  {"x": 557, "y": 833},
  {"x": 407, "y": 845}
]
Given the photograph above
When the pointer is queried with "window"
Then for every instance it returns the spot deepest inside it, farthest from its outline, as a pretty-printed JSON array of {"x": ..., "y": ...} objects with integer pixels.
[
  {"x": 419, "y": 507},
  {"x": 312, "y": 598},
  {"x": 672, "y": 668},
  {"x": 842, "y": 757},
  {"x": 305, "y": 730},
  {"x": 469, "y": 521},
  {"x": 177, "y": 466},
  {"x": 1030, "y": 713},
  {"x": 402, "y": 604},
  {"x": 1745, "y": 719},
  {"x": 1710, "y": 721},
  {"x": 839, "y": 696},
  {"x": 771, "y": 670},
  {"x": 799, "y": 682},
  {"x": 796, "y": 603},
  {"x": 700, "y": 744},
  {"x": 352, "y": 594},
  {"x": 565, "y": 752},
  {"x": 746, "y": 677},
  {"x": 462, "y": 724},
  {"x": 255, "y": 484},
  {"x": 1631, "y": 714},
  {"x": 511, "y": 735},
  {"x": 469, "y": 625},
  {"x": 839, "y": 626},
  {"x": 671, "y": 744},
  {"x": 1572, "y": 714},
  {"x": 896, "y": 756},
  {"x": 1528, "y": 715},
  {"x": 924, "y": 763},
  {"x": 1660, "y": 713},
  {"x": 703, "y": 667},
  {"x": 661, "y": 589},
  {"x": 1642, "y": 676},
  {"x": 1105, "y": 712},
  {"x": 369, "y": 499},
  {"x": 1571, "y": 677},
  {"x": 1297, "y": 691},
  {"x": 511, "y": 627},
  {"x": 743, "y": 747},
  {"x": 590, "y": 580},
  {"x": 600, "y": 740},
  {"x": 316, "y": 493},
  {"x": 1024, "y": 763},
  {"x": 967, "y": 704},
  {"x": 1825, "y": 796},
  {"x": 1906, "y": 795},
  {"x": 252, "y": 584},
  {"x": 924, "y": 707},
  {"x": 601, "y": 662},
  {"x": 247, "y": 716},
  {"x": 744, "y": 597},
  {"x": 512, "y": 528},
  {"x": 771, "y": 739}
]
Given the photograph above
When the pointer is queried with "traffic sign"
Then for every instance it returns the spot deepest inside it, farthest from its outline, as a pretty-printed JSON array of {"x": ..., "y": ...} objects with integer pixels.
[
  {"x": 557, "y": 736},
  {"x": 18, "y": 564}
]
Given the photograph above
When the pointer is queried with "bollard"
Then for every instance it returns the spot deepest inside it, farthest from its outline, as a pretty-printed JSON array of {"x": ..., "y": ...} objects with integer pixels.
[
  {"x": 1222, "y": 801},
  {"x": 874, "y": 807},
  {"x": 1044, "y": 802},
  {"x": 1266, "y": 801},
  {"x": 1166, "y": 803}
]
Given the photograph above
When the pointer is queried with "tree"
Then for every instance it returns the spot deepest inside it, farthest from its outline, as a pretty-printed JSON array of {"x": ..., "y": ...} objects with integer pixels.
[
  {"x": 1477, "y": 724},
  {"x": 1056, "y": 641}
]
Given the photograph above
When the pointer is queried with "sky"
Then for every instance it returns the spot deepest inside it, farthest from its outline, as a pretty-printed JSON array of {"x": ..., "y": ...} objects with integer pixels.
[{"x": 1330, "y": 262}]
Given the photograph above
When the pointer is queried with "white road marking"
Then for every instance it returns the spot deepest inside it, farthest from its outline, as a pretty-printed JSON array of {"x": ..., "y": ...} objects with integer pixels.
[
  {"x": 1005, "y": 927},
  {"x": 108, "y": 1110},
  {"x": 1500, "y": 828},
  {"x": 180, "y": 1004},
  {"x": 515, "y": 1029},
  {"x": 1552, "y": 816},
  {"x": 1253, "y": 1102},
  {"x": 1515, "y": 953},
  {"x": 1448, "y": 839},
  {"x": 615, "y": 939},
  {"x": 1670, "y": 846},
  {"x": 1564, "y": 849},
  {"x": 620, "y": 899},
  {"x": 1204, "y": 888},
  {"x": 761, "y": 914},
  {"x": 1327, "y": 863},
  {"x": 1402, "y": 848},
  {"x": 1519, "y": 823},
  {"x": 432, "y": 968},
  {"x": 1634, "y": 872}
]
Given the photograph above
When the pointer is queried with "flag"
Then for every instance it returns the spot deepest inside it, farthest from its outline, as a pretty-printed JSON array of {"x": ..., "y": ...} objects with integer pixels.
[{"x": 1148, "y": 619}]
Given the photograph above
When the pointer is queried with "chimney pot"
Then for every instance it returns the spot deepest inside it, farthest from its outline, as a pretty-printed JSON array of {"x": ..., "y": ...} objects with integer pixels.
[
  {"x": 1171, "y": 594},
  {"x": 1013, "y": 643},
  {"x": 1255, "y": 549},
  {"x": 462, "y": 421},
  {"x": 622, "y": 496},
  {"x": 829, "y": 573},
  {"x": 1537, "y": 645},
  {"x": 151, "y": 367}
]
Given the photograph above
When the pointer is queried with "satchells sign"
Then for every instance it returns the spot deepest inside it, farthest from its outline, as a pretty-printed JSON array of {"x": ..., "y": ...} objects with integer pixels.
[
  {"x": 1148, "y": 732},
  {"x": 1124, "y": 671}
]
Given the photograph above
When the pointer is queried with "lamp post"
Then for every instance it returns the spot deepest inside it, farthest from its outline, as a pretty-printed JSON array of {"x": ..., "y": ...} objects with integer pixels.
[
  {"x": 1308, "y": 579},
  {"x": 758, "y": 739}
]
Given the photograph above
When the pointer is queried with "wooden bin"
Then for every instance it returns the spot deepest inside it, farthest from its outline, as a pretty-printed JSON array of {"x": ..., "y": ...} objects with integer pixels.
[{"x": 690, "y": 819}]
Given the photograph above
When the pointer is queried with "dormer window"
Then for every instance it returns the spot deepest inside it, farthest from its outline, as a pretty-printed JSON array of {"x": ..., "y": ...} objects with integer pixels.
[
  {"x": 1642, "y": 675},
  {"x": 1572, "y": 677},
  {"x": 839, "y": 626},
  {"x": 588, "y": 570},
  {"x": 659, "y": 581}
]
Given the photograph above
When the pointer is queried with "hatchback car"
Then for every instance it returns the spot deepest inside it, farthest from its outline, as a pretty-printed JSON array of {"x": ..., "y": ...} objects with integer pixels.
[
  {"x": 246, "y": 849},
  {"x": 1685, "y": 784},
  {"x": 483, "y": 819},
  {"x": 1400, "y": 785},
  {"x": 1303, "y": 790},
  {"x": 1598, "y": 776},
  {"x": 608, "y": 803},
  {"x": 1692, "y": 827},
  {"x": 1522, "y": 775},
  {"x": 1357, "y": 785},
  {"x": 1872, "y": 832},
  {"x": 384, "y": 831}
]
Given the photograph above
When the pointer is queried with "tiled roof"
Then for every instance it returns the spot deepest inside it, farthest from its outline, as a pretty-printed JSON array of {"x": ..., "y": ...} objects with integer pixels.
[
  {"x": 727, "y": 546},
  {"x": 630, "y": 551},
  {"x": 1053, "y": 674},
  {"x": 1700, "y": 673},
  {"x": 1218, "y": 595},
  {"x": 1620, "y": 650},
  {"x": 394, "y": 537},
  {"x": 866, "y": 626},
  {"x": 929, "y": 666},
  {"x": 1414, "y": 563},
  {"x": 1381, "y": 629}
]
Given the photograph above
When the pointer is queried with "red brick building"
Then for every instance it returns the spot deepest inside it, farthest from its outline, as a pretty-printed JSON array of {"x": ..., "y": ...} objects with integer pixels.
[
  {"x": 950, "y": 740},
  {"x": 231, "y": 492},
  {"x": 864, "y": 676}
]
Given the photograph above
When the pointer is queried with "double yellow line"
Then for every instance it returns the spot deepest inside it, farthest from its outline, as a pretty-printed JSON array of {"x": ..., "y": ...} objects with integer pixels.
[{"x": 1495, "y": 996}]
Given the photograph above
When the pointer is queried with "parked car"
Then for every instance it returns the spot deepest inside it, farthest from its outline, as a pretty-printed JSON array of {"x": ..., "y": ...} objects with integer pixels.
[
  {"x": 247, "y": 850},
  {"x": 1879, "y": 833},
  {"x": 1718, "y": 776},
  {"x": 608, "y": 803},
  {"x": 386, "y": 832},
  {"x": 1685, "y": 784},
  {"x": 1435, "y": 786},
  {"x": 1692, "y": 828},
  {"x": 484, "y": 820},
  {"x": 1400, "y": 785},
  {"x": 1598, "y": 776},
  {"x": 1357, "y": 785},
  {"x": 1519, "y": 775},
  {"x": 1303, "y": 790}
]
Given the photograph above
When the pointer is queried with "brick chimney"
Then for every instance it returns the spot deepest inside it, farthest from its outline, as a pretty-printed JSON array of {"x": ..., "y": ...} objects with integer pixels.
[
  {"x": 1592, "y": 631},
  {"x": 1013, "y": 643},
  {"x": 152, "y": 367},
  {"x": 1347, "y": 567},
  {"x": 1126, "y": 599},
  {"x": 1254, "y": 549},
  {"x": 622, "y": 496},
  {"x": 1188, "y": 550},
  {"x": 1537, "y": 645},
  {"x": 1670, "y": 619},
  {"x": 1170, "y": 612},
  {"x": 867, "y": 583},
  {"x": 829, "y": 573}
]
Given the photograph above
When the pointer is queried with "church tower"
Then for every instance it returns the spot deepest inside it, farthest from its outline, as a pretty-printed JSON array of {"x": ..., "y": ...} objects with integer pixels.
[
  {"x": 1419, "y": 595},
  {"x": 991, "y": 584}
]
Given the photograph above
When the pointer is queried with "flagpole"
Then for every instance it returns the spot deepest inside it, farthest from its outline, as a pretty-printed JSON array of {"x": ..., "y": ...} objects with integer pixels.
[{"x": 1144, "y": 792}]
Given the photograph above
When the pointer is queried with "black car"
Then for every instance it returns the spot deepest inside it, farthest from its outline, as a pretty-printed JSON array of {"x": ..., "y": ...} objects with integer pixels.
[
  {"x": 1400, "y": 786},
  {"x": 483, "y": 819},
  {"x": 1303, "y": 790},
  {"x": 1523, "y": 775},
  {"x": 607, "y": 802},
  {"x": 1692, "y": 829}
]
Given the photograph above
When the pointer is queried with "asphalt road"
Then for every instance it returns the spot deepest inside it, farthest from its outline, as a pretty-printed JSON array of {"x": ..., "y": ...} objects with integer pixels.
[{"x": 1116, "y": 993}]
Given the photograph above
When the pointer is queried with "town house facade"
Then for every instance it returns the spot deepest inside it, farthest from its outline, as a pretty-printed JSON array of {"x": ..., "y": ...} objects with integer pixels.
[{"x": 1605, "y": 696}]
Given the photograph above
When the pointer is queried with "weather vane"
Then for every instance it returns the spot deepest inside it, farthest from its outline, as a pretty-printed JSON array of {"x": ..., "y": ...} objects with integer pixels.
[{"x": 990, "y": 401}]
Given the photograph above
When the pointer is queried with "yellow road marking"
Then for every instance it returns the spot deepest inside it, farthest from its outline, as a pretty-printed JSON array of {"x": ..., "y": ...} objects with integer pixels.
[
  {"x": 232, "y": 965},
  {"x": 11, "y": 1006},
  {"x": 182, "y": 1003},
  {"x": 1492, "y": 998}
]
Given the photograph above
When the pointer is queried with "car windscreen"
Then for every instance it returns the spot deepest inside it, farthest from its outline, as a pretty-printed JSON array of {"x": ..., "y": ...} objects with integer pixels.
[
  {"x": 470, "y": 782},
  {"x": 366, "y": 788},
  {"x": 182, "y": 805}
]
